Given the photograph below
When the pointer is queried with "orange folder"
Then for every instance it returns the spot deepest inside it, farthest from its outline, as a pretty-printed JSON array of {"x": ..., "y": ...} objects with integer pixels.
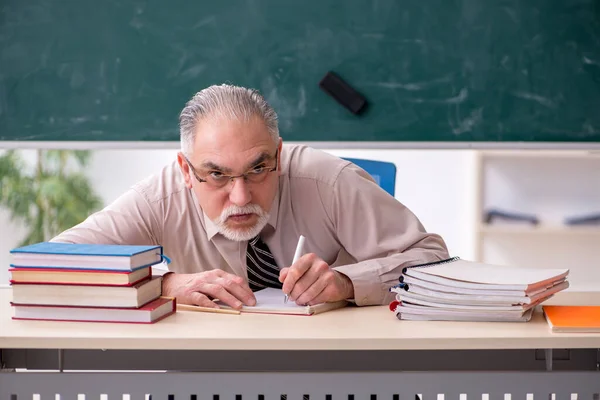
[{"x": 573, "y": 318}]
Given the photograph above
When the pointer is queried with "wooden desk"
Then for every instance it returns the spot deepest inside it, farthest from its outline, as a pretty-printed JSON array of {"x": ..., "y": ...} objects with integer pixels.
[
  {"x": 353, "y": 328},
  {"x": 360, "y": 339}
]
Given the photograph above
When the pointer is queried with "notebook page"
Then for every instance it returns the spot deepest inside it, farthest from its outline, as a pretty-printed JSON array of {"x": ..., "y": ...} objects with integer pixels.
[{"x": 273, "y": 299}]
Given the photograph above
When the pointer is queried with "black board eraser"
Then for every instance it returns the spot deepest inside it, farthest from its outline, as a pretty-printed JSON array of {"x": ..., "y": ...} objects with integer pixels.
[{"x": 343, "y": 93}]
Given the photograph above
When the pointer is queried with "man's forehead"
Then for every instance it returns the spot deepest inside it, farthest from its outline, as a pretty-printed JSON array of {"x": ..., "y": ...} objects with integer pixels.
[
  {"x": 232, "y": 143},
  {"x": 234, "y": 161},
  {"x": 219, "y": 131}
]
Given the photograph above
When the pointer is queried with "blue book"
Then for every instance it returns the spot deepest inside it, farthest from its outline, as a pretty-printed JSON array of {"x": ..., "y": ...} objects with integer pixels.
[{"x": 86, "y": 256}]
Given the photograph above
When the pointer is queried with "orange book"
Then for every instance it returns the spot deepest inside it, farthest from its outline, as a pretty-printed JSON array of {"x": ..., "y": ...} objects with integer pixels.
[
  {"x": 573, "y": 318},
  {"x": 66, "y": 276}
]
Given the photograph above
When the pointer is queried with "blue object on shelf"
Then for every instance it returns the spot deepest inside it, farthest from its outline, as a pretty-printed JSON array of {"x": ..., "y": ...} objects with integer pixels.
[{"x": 384, "y": 173}]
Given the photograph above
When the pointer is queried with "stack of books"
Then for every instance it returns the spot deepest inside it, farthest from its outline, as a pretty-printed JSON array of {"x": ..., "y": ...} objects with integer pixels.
[
  {"x": 88, "y": 282},
  {"x": 461, "y": 290}
]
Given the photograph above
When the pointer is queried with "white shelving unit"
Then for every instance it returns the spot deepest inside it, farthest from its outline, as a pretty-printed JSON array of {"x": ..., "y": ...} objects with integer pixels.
[
  {"x": 539, "y": 230},
  {"x": 552, "y": 185}
]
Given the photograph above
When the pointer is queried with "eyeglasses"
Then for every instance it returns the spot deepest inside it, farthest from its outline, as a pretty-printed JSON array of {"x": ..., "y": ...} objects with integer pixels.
[{"x": 218, "y": 180}]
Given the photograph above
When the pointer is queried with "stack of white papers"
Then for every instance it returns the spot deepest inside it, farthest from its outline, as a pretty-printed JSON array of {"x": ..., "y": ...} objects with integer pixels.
[{"x": 461, "y": 290}]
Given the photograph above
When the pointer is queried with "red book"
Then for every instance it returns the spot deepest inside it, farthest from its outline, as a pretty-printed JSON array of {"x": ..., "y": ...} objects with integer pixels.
[{"x": 147, "y": 314}]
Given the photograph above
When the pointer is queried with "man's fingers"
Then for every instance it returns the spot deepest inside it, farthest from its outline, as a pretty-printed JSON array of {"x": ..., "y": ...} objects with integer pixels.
[
  {"x": 217, "y": 291},
  {"x": 196, "y": 281},
  {"x": 238, "y": 287},
  {"x": 235, "y": 287},
  {"x": 283, "y": 273},
  {"x": 318, "y": 279},
  {"x": 296, "y": 271},
  {"x": 322, "y": 297},
  {"x": 202, "y": 287},
  {"x": 201, "y": 300},
  {"x": 305, "y": 282}
]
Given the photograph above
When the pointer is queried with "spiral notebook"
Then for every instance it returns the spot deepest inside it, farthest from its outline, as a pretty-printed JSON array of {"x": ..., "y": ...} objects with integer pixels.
[
  {"x": 461, "y": 290},
  {"x": 462, "y": 274}
]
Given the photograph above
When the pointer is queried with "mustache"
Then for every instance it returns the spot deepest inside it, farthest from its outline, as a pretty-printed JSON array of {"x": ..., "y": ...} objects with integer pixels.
[{"x": 247, "y": 209}]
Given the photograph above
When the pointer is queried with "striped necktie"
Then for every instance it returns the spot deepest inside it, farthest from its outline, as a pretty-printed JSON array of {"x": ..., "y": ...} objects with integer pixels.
[{"x": 262, "y": 268}]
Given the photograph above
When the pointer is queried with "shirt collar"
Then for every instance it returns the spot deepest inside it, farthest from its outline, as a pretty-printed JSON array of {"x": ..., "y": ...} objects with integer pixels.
[
  {"x": 211, "y": 228},
  {"x": 274, "y": 212}
]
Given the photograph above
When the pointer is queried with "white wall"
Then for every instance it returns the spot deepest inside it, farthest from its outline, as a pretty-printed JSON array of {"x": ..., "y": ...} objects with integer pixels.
[{"x": 438, "y": 185}]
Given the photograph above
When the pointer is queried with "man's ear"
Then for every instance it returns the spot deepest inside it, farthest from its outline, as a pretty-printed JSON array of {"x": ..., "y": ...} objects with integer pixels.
[
  {"x": 185, "y": 170},
  {"x": 279, "y": 147}
]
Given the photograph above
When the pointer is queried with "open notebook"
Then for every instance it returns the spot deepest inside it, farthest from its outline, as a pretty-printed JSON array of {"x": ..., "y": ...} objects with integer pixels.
[{"x": 271, "y": 301}]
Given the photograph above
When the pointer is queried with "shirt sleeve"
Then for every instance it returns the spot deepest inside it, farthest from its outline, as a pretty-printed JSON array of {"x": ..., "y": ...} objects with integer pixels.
[
  {"x": 377, "y": 231},
  {"x": 128, "y": 220}
]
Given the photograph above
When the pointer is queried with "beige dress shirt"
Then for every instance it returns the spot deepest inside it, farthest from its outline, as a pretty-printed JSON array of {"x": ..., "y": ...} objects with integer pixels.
[{"x": 347, "y": 220}]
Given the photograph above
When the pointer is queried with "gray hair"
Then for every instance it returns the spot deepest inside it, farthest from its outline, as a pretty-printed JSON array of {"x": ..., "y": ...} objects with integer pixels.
[{"x": 232, "y": 102}]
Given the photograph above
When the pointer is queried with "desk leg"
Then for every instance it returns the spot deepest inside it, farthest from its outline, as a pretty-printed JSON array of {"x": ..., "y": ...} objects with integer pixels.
[
  {"x": 3, "y": 367},
  {"x": 61, "y": 355},
  {"x": 548, "y": 357}
]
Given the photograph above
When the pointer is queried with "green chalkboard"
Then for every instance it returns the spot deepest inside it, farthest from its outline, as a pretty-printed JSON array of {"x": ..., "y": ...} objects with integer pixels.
[{"x": 433, "y": 70}]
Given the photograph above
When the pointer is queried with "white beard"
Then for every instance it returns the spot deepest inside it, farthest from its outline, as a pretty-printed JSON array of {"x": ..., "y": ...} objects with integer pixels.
[{"x": 242, "y": 234}]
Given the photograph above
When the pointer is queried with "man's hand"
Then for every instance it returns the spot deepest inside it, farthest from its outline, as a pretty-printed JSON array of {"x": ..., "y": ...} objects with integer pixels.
[
  {"x": 199, "y": 289},
  {"x": 311, "y": 281}
]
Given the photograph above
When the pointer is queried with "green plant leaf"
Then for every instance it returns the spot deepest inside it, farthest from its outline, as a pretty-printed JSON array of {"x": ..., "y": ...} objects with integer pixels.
[
  {"x": 50, "y": 198},
  {"x": 82, "y": 156}
]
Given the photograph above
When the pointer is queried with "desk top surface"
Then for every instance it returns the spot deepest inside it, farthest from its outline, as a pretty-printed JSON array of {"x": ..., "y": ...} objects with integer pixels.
[{"x": 352, "y": 328}]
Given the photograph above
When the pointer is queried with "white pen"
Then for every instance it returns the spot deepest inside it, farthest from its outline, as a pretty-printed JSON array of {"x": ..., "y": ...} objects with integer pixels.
[{"x": 297, "y": 255}]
